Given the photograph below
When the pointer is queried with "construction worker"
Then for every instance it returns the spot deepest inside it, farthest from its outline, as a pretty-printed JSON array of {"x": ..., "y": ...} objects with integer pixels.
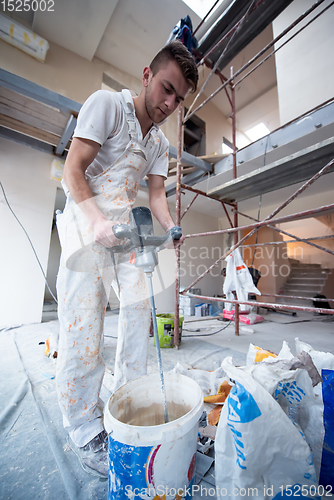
[{"x": 115, "y": 144}]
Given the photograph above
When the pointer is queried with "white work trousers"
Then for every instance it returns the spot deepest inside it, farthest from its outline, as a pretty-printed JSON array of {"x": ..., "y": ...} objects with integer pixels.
[{"x": 83, "y": 297}]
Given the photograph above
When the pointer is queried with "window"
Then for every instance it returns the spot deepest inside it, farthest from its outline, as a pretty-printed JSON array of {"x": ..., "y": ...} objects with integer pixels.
[
  {"x": 194, "y": 136},
  {"x": 201, "y": 7},
  {"x": 257, "y": 132}
]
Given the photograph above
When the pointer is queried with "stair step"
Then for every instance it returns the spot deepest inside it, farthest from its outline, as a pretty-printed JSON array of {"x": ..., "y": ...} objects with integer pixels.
[
  {"x": 304, "y": 271},
  {"x": 304, "y": 264},
  {"x": 296, "y": 302},
  {"x": 300, "y": 292},
  {"x": 305, "y": 281},
  {"x": 306, "y": 286}
]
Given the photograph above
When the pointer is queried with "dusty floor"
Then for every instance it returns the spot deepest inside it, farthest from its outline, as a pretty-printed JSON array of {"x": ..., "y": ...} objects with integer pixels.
[{"x": 35, "y": 460}]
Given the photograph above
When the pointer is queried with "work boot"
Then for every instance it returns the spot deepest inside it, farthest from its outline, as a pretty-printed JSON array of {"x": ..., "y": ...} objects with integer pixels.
[{"x": 93, "y": 456}]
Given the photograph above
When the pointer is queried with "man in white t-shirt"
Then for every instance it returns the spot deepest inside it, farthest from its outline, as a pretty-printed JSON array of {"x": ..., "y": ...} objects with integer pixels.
[{"x": 116, "y": 143}]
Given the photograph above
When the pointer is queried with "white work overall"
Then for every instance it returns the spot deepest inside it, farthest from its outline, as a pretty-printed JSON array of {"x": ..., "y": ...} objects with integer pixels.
[
  {"x": 238, "y": 279},
  {"x": 85, "y": 276}
]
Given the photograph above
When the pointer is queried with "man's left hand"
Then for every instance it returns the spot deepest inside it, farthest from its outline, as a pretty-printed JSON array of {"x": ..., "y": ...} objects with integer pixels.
[{"x": 176, "y": 238}]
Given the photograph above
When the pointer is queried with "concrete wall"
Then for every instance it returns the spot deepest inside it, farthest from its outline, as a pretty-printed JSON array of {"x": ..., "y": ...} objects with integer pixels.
[
  {"x": 217, "y": 126},
  {"x": 265, "y": 108},
  {"x": 30, "y": 191},
  {"x": 328, "y": 289},
  {"x": 63, "y": 71},
  {"x": 304, "y": 70}
]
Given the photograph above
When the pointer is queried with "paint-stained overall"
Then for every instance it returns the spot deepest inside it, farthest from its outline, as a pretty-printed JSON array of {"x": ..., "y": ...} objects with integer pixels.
[{"x": 85, "y": 276}]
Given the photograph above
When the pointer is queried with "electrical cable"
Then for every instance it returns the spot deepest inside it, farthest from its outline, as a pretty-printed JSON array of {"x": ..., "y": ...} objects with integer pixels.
[
  {"x": 185, "y": 330},
  {"x": 31, "y": 244},
  {"x": 209, "y": 334}
]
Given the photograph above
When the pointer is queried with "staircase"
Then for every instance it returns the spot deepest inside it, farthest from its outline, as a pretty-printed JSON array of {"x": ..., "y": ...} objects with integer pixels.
[{"x": 305, "y": 280}]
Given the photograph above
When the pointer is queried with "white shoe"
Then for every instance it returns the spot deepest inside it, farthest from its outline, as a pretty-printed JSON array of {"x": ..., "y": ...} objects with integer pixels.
[{"x": 93, "y": 456}]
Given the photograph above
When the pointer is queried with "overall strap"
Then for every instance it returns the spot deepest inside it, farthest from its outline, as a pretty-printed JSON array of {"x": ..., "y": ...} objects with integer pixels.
[{"x": 129, "y": 110}]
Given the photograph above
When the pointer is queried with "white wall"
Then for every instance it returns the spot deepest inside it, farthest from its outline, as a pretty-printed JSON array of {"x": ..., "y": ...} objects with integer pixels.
[
  {"x": 265, "y": 109},
  {"x": 55, "y": 249},
  {"x": 25, "y": 175},
  {"x": 304, "y": 66},
  {"x": 53, "y": 265}
]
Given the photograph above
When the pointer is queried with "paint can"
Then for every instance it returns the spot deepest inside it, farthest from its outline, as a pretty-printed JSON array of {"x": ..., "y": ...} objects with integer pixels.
[{"x": 150, "y": 459}]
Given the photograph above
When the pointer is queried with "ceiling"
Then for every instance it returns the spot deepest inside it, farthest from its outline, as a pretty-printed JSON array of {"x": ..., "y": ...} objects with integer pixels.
[
  {"x": 247, "y": 19},
  {"x": 128, "y": 33}
]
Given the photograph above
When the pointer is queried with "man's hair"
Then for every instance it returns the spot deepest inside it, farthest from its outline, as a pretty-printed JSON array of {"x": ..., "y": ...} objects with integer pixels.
[{"x": 176, "y": 51}]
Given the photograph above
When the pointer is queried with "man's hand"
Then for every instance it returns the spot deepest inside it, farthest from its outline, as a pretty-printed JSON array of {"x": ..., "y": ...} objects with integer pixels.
[
  {"x": 177, "y": 236},
  {"x": 160, "y": 210},
  {"x": 103, "y": 233},
  {"x": 172, "y": 242},
  {"x": 178, "y": 243}
]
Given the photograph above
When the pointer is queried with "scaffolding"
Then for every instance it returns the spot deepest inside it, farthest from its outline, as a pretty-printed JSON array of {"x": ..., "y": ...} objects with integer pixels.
[{"x": 231, "y": 83}]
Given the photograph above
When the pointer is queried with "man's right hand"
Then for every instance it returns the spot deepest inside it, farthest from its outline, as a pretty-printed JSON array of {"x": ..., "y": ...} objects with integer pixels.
[{"x": 103, "y": 233}]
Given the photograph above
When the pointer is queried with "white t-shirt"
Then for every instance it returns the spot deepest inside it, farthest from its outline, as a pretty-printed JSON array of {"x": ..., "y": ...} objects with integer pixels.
[{"x": 102, "y": 119}]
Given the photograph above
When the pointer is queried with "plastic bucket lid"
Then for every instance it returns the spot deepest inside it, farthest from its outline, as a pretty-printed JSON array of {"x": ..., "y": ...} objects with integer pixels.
[{"x": 134, "y": 413}]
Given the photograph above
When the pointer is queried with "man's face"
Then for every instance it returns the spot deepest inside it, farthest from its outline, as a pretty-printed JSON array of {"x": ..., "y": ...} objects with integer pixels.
[{"x": 164, "y": 91}]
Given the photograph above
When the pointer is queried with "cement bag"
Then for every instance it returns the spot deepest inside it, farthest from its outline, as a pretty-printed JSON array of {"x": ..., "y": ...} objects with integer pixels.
[
  {"x": 238, "y": 279},
  {"x": 323, "y": 420},
  {"x": 256, "y": 354},
  {"x": 322, "y": 360},
  {"x": 209, "y": 382},
  {"x": 293, "y": 390},
  {"x": 259, "y": 452},
  {"x": 290, "y": 381}
]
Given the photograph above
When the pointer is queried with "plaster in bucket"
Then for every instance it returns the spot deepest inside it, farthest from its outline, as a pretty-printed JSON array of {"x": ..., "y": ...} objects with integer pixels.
[{"x": 150, "y": 459}]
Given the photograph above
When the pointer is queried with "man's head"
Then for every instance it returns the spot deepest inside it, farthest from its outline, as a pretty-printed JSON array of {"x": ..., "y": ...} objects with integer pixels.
[
  {"x": 168, "y": 79},
  {"x": 176, "y": 51}
]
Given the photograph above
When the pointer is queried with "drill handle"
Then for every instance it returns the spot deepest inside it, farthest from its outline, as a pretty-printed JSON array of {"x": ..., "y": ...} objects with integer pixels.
[
  {"x": 122, "y": 231},
  {"x": 176, "y": 233}
]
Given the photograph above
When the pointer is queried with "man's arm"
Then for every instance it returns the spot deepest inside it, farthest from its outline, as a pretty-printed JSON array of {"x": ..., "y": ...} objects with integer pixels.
[
  {"x": 159, "y": 205},
  {"x": 81, "y": 154}
]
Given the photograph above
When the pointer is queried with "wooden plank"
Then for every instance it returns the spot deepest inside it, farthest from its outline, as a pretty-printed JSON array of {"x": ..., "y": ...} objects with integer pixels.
[
  {"x": 18, "y": 126},
  {"x": 214, "y": 158},
  {"x": 34, "y": 108},
  {"x": 30, "y": 120},
  {"x": 190, "y": 160},
  {"x": 184, "y": 171},
  {"x": 38, "y": 93},
  {"x": 208, "y": 158}
]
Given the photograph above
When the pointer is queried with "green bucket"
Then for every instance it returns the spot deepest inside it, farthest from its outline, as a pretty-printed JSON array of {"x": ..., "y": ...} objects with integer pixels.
[{"x": 165, "y": 324}]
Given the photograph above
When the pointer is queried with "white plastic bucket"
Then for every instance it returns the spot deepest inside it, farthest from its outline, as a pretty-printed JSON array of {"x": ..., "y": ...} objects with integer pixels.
[{"x": 149, "y": 458}]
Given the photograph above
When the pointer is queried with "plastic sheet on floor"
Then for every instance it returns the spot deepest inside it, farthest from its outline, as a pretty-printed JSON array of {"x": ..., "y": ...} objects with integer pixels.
[{"x": 35, "y": 461}]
